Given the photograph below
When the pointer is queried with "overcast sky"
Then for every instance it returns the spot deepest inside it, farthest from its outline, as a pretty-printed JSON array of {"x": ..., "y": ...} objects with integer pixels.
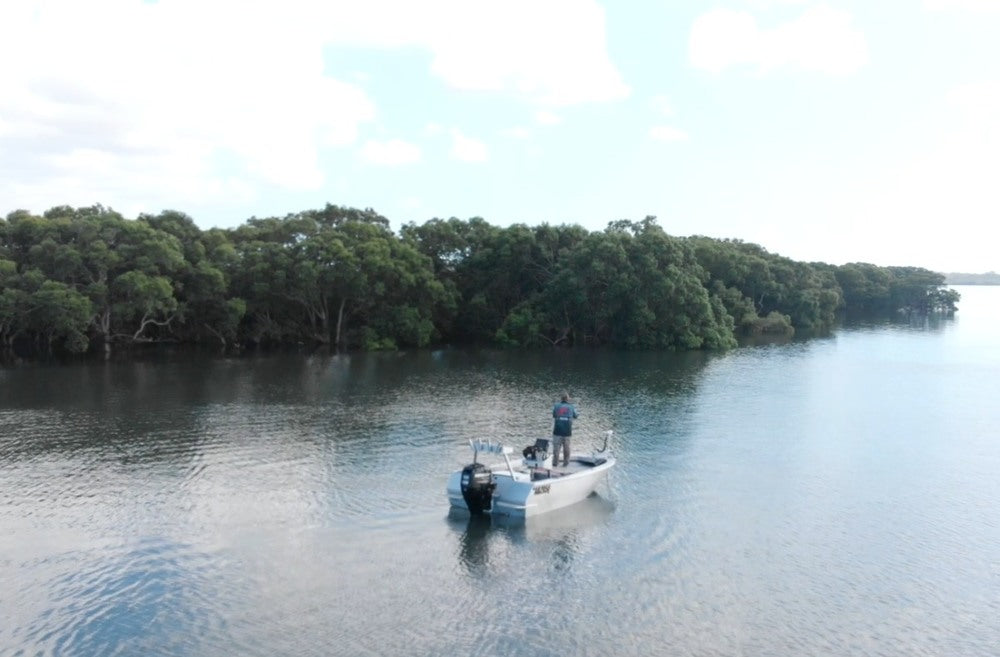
[{"x": 832, "y": 131}]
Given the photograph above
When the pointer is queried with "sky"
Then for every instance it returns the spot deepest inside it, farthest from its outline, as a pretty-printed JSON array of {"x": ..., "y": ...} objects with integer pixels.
[{"x": 838, "y": 132}]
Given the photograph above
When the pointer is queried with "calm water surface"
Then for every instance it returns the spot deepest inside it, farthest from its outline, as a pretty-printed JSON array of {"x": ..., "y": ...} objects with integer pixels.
[{"x": 838, "y": 496}]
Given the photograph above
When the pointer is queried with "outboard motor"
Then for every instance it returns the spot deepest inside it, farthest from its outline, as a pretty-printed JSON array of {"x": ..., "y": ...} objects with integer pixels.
[{"x": 477, "y": 487}]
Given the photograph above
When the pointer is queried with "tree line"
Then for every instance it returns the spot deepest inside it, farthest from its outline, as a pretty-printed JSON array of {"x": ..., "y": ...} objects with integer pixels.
[
  {"x": 956, "y": 278},
  {"x": 74, "y": 279}
]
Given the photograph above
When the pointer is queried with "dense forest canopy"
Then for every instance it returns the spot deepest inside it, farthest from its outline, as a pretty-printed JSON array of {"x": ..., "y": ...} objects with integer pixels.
[{"x": 74, "y": 279}]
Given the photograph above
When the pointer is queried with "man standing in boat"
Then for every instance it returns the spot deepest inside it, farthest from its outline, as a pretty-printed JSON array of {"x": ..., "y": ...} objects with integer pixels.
[{"x": 564, "y": 413}]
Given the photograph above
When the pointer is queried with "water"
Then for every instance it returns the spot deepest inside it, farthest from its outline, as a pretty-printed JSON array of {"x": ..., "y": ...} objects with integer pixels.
[{"x": 836, "y": 496}]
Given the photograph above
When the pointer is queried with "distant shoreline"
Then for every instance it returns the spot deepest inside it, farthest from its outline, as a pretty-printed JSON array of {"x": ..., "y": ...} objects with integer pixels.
[{"x": 989, "y": 278}]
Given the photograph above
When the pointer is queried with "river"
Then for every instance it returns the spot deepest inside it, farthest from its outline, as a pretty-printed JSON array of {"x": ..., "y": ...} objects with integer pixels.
[{"x": 830, "y": 496}]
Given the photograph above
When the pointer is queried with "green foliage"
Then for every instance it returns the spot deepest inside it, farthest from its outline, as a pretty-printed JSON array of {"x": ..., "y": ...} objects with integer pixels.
[
  {"x": 371, "y": 341},
  {"x": 336, "y": 276},
  {"x": 774, "y": 324},
  {"x": 754, "y": 285},
  {"x": 865, "y": 286},
  {"x": 339, "y": 276},
  {"x": 143, "y": 300},
  {"x": 872, "y": 289},
  {"x": 632, "y": 286},
  {"x": 58, "y": 312}
]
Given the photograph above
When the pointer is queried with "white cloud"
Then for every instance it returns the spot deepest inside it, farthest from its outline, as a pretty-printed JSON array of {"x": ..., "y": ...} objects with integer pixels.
[
  {"x": 986, "y": 6},
  {"x": 769, "y": 4},
  {"x": 167, "y": 104},
  {"x": 390, "y": 153},
  {"x": 667, "y": 133},
  {"x": 517, "y": 132},
  {"x": 661, "y": 105},
  {"x": 552, "y": 52},
  {"x": 821, "y": 39},
  {"x": 943, "y": 199},
  {"x": 128, "y": 94},
  {"x": 88, "y": 176},
  {"x": 978, "y": 104},
  {"x": 546, "y": 117},
  {"x": 467, "y": 149}
]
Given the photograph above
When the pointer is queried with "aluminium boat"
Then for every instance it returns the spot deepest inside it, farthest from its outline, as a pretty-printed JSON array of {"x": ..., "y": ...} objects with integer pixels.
[{"x": 528, "y": 487}]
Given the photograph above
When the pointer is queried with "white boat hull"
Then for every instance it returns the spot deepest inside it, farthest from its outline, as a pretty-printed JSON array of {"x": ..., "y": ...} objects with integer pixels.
[{"x": 528, "y": 491}]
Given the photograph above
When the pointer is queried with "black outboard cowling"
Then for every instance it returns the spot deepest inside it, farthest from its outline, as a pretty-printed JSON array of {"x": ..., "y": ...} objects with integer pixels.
[{"x": 477, "y": 487}]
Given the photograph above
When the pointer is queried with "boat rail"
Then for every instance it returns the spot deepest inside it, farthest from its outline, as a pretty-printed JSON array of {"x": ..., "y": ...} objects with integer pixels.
[{"x": 490, "y": 447}]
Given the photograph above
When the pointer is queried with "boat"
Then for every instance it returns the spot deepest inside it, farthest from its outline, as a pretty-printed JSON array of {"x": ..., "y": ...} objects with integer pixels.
[{"x": 531, "y": 486}]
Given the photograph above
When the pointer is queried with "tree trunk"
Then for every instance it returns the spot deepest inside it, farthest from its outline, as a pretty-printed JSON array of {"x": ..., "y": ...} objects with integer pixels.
[
  {"x": 321, "y": 326},
  {"x": 340, "y": 323},
  {"x": 221, "y": 337},
  {"x": 102, "y": 322},
  {"x": 146, "y": 321}
]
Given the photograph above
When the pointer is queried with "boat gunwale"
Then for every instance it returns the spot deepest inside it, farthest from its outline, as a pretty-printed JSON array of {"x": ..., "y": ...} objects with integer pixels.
[{"x": 500, "y": 470}]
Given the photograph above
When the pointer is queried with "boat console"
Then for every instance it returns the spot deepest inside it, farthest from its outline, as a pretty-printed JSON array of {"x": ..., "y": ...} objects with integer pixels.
[{"x": 537, "y": 455}]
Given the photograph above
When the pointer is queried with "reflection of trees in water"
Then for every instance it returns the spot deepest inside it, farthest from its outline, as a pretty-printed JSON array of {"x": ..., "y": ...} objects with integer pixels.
[
  {"x": 871, "y": 322},
  {"x": 446, "y": 396},
  {"x": 487, "y": 371},
  {"x": 131, "y": 410},
  {"x": 439, "y": 397}
]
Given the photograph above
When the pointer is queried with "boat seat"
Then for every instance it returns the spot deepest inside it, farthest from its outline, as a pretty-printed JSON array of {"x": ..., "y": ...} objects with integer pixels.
[{"x": 536, "y": 456}]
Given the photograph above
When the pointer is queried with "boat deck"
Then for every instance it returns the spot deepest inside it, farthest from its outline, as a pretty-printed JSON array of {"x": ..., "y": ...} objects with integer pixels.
[{"x": 576, "y": 464}]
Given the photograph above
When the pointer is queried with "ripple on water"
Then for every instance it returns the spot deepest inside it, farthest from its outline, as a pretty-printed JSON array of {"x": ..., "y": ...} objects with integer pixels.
[
  {"x": 269, "y": 512},
  {"x": 151, "y": 597}
]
